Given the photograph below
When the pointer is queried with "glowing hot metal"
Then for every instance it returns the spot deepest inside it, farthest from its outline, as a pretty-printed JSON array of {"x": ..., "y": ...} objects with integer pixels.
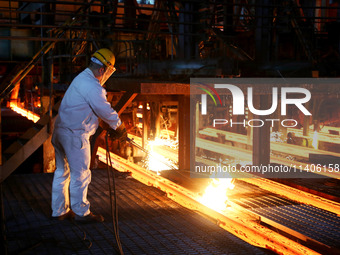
[{"x": 24, "y": 112}]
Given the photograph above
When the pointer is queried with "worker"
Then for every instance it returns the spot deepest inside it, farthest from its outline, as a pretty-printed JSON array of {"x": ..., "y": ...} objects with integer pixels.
[{"x": 84, "y": 101}]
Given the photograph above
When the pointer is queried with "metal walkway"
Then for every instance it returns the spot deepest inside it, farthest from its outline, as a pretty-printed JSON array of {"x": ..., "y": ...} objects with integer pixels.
[
  {"x": 150, "y": 223},
  {"x": 310, "y": 224}
]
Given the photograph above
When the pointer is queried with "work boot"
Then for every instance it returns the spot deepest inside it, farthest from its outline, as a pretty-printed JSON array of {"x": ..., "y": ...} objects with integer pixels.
[
  {"x": 89, "y": 218},
  {"x": 69, "y": 215}
]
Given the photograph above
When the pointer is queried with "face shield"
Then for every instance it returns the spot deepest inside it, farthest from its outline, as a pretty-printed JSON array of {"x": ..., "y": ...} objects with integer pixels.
[{"x": 107, "y": 74}]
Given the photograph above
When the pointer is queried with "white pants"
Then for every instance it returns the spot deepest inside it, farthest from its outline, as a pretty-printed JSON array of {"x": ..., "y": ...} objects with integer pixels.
[{"x": 72, "y": 175}]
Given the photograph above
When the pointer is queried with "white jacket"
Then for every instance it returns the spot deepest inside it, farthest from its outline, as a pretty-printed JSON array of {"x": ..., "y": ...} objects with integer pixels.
[{"x": 85, "y": 101}]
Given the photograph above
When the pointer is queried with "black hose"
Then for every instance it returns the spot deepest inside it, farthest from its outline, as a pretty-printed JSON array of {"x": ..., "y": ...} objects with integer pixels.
[{"x": 113, "y": 202}]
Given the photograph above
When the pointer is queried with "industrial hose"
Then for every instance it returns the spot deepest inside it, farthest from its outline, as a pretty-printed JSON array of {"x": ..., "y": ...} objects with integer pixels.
[{"x": 113, "y": 201}]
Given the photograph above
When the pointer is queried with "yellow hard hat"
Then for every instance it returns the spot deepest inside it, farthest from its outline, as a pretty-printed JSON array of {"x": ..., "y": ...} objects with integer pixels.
[{"x": 105, "y": 56}]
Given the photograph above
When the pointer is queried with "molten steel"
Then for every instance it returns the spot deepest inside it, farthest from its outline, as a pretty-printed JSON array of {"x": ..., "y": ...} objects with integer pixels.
[
  {"x": 215, "y": 195},
  {"x": 24, "y": 112},
  {"x": 155, "y": 160}
]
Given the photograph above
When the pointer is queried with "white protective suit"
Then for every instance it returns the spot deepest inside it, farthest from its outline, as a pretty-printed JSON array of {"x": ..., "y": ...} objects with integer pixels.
[{"x": 84, "y": 101}]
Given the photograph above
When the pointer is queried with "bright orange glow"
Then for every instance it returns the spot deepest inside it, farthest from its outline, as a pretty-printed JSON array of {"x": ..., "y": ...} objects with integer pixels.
[
  {"x": 155, "y": 161},
  {"x": 24, "y": 112},
  {"x": 246, "y": 228},
  {"x": 215, "y": 195},
  {"x": 147, "y": 106}
]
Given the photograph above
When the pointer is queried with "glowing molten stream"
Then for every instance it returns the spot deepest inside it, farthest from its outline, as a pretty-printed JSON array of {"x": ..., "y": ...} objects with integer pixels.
[
  {"x": 26, "y": 113},
  {"x": 156, "y": 161},
  {"x": 215, "y": 195}
]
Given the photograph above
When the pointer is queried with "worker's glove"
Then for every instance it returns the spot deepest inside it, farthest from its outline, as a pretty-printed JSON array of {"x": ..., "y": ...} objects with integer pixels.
[{"x": 120, "y": 133}]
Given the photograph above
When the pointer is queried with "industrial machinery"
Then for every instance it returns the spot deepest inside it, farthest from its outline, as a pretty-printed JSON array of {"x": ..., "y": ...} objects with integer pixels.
[{"x": 160, "y": 48}]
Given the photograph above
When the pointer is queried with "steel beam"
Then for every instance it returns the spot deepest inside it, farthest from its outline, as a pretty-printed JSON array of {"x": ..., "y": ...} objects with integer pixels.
[
  {"x": 261, "y": 136},
  {"x": 124, "y": 101},
  {"x": 275, "y": 146},
  {"x": 245, "y": 154},
  {"x": 245, "y": 227},
  {"x": 295, "y": 194},
  {"x": 165, "y": 88},
  {"x": 184, "y": 121},
  {"x": 285, "y": 191},
  {"x": 145, "y": 128}
]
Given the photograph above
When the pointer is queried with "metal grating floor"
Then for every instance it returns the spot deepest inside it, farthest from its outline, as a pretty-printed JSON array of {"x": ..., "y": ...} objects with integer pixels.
[
  {"x": 312, "y": 222},
  {"x": 150, "y": 223}
]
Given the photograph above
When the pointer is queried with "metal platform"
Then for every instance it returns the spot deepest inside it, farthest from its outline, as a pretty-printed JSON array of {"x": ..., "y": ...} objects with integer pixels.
[
  {"x": 149, "y": 222},
  {"x": 324, "y": 187},
  {"x": 314, "y": 226}
]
